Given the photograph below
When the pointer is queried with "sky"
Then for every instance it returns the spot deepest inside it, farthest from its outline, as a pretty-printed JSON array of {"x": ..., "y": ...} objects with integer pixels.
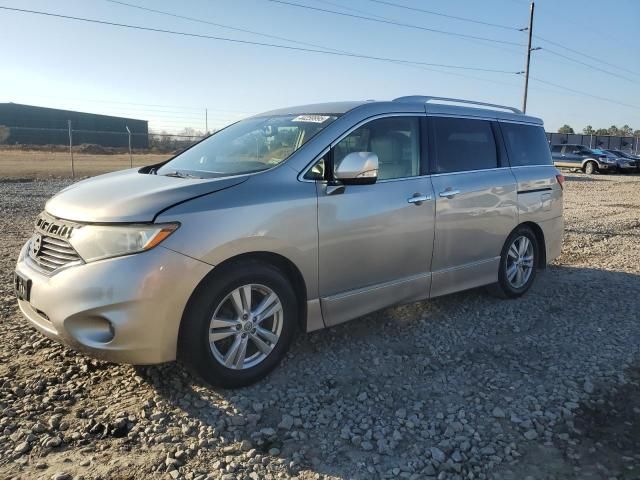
[{"x": 171, "y": 80}]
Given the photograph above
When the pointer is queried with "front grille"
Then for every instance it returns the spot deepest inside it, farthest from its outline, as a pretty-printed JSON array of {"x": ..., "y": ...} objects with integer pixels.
[{"x": 49, "y": 247}]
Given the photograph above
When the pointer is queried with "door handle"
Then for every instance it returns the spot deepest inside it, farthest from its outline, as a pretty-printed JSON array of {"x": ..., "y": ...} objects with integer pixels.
[
  {"x": 418, "y": 198},
  {"x": 449, "y": 193}
]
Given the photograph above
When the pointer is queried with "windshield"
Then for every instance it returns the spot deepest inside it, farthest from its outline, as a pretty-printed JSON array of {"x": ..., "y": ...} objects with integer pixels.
[{"x": 248, "y": 146}]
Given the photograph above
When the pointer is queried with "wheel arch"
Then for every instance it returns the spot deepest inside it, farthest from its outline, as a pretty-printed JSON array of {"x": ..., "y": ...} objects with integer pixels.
[
  {"x": 542, "y": 246},
  {"x": 284, "y": 264}
]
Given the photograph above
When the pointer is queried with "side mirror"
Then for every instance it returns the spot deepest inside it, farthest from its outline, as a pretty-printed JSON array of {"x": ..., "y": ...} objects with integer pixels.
[{"x": 358, "y": 168}]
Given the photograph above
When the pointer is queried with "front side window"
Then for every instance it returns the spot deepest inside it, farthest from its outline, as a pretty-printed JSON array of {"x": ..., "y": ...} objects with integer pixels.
[
  {"x": 395, "y": 140},
  {"x": 248, "y": 146},
  {"x": 462, "y": 145},
  {"x": 526, "y": 144}
]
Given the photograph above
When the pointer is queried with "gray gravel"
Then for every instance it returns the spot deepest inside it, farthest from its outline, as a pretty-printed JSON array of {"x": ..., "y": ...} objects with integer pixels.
[{"x": 462, "y": 387}]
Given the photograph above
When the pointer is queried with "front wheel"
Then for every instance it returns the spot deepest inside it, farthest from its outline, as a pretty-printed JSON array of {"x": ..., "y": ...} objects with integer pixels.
[
  {"x": 590, "y": 168},
  {"x": 239, "y": 324},
  {"x": 518, "y": 262}
]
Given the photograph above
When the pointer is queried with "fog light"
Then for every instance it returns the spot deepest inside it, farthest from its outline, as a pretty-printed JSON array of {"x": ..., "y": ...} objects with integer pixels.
[{"x": 90, "y": 330}]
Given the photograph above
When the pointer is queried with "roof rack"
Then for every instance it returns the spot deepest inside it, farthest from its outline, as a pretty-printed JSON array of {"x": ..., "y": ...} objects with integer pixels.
[{"x": 426, "y": 99}]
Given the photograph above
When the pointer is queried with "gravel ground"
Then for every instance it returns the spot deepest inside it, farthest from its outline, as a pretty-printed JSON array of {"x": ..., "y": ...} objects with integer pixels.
[{"x": 462, "y": 387}]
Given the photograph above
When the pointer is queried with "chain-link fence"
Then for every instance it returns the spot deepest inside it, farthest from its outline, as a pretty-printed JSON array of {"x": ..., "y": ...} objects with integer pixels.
[
  {"x": 612, "y": 142},
  {"x": 38, "y": 152}
]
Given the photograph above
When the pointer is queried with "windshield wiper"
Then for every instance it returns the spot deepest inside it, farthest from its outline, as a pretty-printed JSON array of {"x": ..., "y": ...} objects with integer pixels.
[{"x": 179, "y": 174}]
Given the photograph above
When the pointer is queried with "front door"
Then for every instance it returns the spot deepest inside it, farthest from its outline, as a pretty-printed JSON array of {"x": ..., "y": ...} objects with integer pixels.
[
  {"x": 569, "y": 158},
  {"x": 375, "y": 241},
  {"x": 476, "y": 204}
]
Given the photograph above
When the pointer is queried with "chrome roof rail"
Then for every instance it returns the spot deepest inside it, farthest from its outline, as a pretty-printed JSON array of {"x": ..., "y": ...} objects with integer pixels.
[{"x": 427, "y": 99}]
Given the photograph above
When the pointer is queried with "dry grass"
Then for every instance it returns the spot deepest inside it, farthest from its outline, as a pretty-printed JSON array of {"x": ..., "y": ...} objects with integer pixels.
[{"x": 34, "y": 164}]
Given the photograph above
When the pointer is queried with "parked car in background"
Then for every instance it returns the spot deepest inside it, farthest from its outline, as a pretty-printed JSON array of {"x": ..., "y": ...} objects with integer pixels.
[
  {"x": 610, "y": 157},
  {"x": 627, "y": 163},
  {"x": 582, "y": 158},
  {"x": 299, "y": 218}
]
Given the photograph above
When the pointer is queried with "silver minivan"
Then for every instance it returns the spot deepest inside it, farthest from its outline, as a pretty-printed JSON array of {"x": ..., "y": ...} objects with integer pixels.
[{"x": 299, "y": 218}]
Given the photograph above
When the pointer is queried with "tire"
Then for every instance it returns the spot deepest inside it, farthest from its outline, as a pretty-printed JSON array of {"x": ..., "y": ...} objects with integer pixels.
[
  {"x": 507, "y": 286},
  {"x": 590, "y": 168},
  {"x": 224, "y": 294}
]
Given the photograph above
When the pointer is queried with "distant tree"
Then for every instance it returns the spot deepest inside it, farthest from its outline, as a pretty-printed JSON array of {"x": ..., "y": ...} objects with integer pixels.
[
  {"x": 602, "y": 131},
  {"x": 613, "y": 130},
  {"x": 161, "y": 141},
  {"x": 190, "y": 132},
  {"x": 626, "y": 131},
  {"x": 565, "y": 129},
  {"x": 636, "y": 133},
  {"x": 588, "y": 130}
]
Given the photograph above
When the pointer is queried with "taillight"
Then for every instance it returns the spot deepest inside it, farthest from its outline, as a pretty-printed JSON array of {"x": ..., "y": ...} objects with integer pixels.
[{"x": 560, "y": 179}]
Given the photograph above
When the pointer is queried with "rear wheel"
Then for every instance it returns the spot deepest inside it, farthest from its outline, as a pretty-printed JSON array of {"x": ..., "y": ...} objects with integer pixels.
[
  {"x": 239, "y": 324},
  {"x": 590, "y": 168},
  {"x": 518, "y": 262}
]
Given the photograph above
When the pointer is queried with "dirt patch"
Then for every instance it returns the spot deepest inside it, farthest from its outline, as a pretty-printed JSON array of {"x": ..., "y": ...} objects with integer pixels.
[
  {"x": 89, "y": 160},
  {"x": 600, "y": 440},
  {"x": 607, "y": 431}
]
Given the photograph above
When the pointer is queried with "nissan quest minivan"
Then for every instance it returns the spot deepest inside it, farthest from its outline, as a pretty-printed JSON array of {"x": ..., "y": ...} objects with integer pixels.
[{"x": 299, "y": 218}]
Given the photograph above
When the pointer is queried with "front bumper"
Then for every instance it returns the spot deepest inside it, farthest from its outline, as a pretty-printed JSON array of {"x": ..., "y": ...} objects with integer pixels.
[{"x": 124, "y": 310}]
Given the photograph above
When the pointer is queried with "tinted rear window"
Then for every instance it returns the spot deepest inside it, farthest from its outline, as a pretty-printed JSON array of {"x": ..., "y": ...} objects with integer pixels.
[
  {"x": 526, "y": 145},
  {"x": 462, "y": 144}
]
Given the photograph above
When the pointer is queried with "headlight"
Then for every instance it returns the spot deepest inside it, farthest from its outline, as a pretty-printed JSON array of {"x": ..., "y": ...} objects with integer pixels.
[{"x": 95, "y": 242}]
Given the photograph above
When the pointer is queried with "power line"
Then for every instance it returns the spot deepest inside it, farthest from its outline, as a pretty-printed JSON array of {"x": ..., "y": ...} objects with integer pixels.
[
  {"x": 407, "y": 62},
  {"x": 220, "y": 25},
  {"x": 399, "y": 24},
  {"x": 132, "y": 112},
  {"x": 177, "y": 108},
  {"x": 351, "y": 9},
  {"x": 163, "y": 12},
  {"x": 249, "y": 42},
  {"x": 585, "y": 94},
  {"x": 170, "y": 114},
  {"x": 588, "y": 65},
  {"x": 585, "y": 55},
  {"x": 439, "y": 14},
  {"x": 385, "y": 19}
]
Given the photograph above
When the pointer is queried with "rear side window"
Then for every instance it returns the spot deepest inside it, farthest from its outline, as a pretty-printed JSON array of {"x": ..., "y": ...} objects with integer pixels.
[
  {"x": 526, "y": 144},
  {"x": 462, "y": 144},
  {"x": 557, "y": 148}
]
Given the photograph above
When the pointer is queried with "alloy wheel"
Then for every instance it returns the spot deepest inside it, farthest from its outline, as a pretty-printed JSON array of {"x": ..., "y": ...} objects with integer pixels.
[
  {"x": 520, "y": 262},
  {"x": 245, "y": 326}
]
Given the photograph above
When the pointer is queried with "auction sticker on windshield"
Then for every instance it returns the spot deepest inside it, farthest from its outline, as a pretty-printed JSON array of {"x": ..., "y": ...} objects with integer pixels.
[{"x": 311, "y": 118}]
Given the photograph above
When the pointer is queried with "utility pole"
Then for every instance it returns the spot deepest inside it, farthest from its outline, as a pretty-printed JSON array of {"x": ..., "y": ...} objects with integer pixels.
[
  {"x": 73, "y": 169},
  {"x": 529, "y": 50},
  {"x": 130, "y": 156}
]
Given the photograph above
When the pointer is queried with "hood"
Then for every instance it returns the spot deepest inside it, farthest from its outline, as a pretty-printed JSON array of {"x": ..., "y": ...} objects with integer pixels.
[{"x": 130, "y": 196}]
